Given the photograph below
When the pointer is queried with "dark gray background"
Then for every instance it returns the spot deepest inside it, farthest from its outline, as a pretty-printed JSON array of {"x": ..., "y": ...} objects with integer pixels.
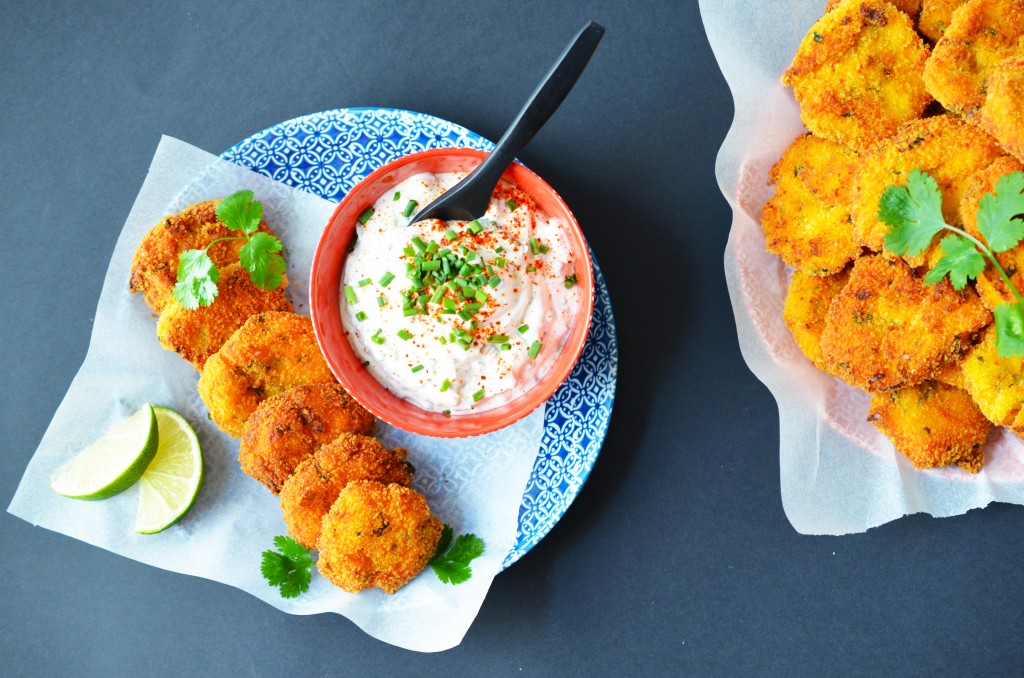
[{"x": 676, "y": 557}]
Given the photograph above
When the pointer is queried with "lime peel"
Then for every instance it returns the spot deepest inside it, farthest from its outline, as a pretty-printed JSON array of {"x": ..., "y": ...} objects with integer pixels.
[{"x": 169, "y": 487}]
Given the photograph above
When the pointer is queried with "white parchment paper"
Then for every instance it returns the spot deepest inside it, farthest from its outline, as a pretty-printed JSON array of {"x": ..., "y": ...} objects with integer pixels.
[
  {"x": 838, "y": 473},
  {"x": 474, "y": 485}
]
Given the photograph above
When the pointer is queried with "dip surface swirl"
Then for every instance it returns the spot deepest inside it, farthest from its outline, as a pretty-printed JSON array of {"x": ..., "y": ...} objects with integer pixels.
[{"x": 458, "y": 316}]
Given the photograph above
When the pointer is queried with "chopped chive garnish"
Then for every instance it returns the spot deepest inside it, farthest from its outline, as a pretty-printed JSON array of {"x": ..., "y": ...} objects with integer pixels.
[
  {"x": 465, "y": 315},
  {"x": 470, "y": 255},
  {"x": 430, "y": 266},
  {"x": 474, "y": 227},
  {"x": 398, "y": 194},
  {"x": 511, "y": 205},
  {"x": 418, "y": 243},
  {"x": 417, "y": 368},
  {"x": 481, "y": 296},
  {"x": 478, "y": 396},
  {"x": 364, "y": 282},
  {"x": 534, "y": 246},
  {"x": 432, "y": 247},
  {"x": 570, "y": 281},
  {"x": 497, "y": 339},
  {"x": 523, "y": 328},
  {"x": 494, "y": 281},
  {"x": 409, "y": 207},
  {"x": 451, "y": 234},
  {"x": 376, "y": 338},
  {"x": 449, "y": 303},
  {"x": 446, "y": 412},
  {"x": 365, "y": 216},
  {"x": 506, "y": 347},
  {"x": 380, "y": 300},
  {"x": 499, "y": 250},
  {"x": 410, "y": 312},
  {"x": 361, "y": 316},
  {"x": 544, "y": 249},
  {"x": 445, "y": 385},
  {"x": 408, "y": 251},
  {"x": 366, "y": 363},
  {"x": 435, "y": 298},
  {"x": 404, "y": 335},
  {"x": 534, "y": 351},
  {"x": 350, "y": 294},
  {"x": 386, "y": 279},
  {"x": 499, "y": 262},
  {"x": 531, "y": 269}
]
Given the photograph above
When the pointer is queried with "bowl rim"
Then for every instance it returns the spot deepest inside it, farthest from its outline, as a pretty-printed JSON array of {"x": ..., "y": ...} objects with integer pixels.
[{"x": 387, "y": 406}]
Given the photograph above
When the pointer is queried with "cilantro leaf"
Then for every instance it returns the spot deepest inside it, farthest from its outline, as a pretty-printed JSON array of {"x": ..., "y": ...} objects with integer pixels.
[
  {"x": 288, "y": 568},
  {"x": 453, "y": 567},
  {"x": 961, "y": 260},
  {"x": 1000, "y": 213},
  {"x": 239, "y": 213},
  {"x": 197, "y": 280},
  {"x": 1009, "y": 329},
  {"x": 913, "y": 212},
  {"x": 260, "y": 257}
]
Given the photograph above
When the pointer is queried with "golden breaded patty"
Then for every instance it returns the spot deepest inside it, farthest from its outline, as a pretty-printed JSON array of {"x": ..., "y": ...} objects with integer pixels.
[
  {"x": 858, "y": 73},
  {"x": 952, "y": 374},
  {"x": 807, "y": 303},
  {"x": 1002, "y": 114},
  {"x": 271, "y": 353},
  {"x": 980, "y": 35},
  {"x": 308, "y": 494},
  {"x": 990, "y": 285},
  {"x": 807, "y": 220},
  {"x": 198, "y": 334},
  {"x": 933, "y": 424},
  {"x": 155, "y": 263},
  {"x": 886, "y": 329},
  {"x": 377, "y": 535},
  {"x": 996, "y": 384},
  {"x": 948, "y": 148},
  {"x": 935, "y": 17},
  {"x": 289, "y": 427},
  {"x": 910, "y": 7}
]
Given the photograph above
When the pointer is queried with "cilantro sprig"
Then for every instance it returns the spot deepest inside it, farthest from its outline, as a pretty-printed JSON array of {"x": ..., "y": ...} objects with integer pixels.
[
  {"x": 914, "y": 214},
  {"x": 260, "y": 255},
  {"x": 288, "y": 568},
  {"x": 452, "y": 565}
]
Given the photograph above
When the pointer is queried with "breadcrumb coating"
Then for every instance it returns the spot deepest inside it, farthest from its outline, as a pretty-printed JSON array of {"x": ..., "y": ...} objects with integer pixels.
[
  {"x": 807, "y": 220},
  {"x": 807, "y": 303},
  {"x": 377, "y": 535},
  {"x": 858, "y": 73},
  {"x": 1002, "y": 114},
  {"x": 887, "y": 329},
  {"x": 269, "y": 354},
  {"x": 933, "y": 424},
  {"x": 308, "y": 494},
  {"x": 197, "y": 334},
  {"x": 935, "y": 17},
  {"x": 289, "y": 427},
  {"x": 996, "y": 384}
]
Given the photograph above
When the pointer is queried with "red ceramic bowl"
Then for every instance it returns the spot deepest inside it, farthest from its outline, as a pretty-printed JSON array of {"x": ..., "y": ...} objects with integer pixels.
[{"x": 325, "y": 292}]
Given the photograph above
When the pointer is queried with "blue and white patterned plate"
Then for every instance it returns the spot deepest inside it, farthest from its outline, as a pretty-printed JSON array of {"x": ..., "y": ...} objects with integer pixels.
[{"x": 327, "y": 154}]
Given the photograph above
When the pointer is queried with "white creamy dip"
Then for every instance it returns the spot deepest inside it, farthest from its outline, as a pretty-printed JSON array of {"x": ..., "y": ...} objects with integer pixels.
[{"x": 433, "y": 346}]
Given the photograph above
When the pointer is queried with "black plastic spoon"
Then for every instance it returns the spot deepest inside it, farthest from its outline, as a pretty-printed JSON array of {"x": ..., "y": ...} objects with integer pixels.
[{"x": 469, "y": 198}]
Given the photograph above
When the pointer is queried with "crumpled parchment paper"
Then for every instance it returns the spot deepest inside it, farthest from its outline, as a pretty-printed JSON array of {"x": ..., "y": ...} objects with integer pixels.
[
  {"x": 838, "y": 473},
  {"x": 475, "y": 485}
]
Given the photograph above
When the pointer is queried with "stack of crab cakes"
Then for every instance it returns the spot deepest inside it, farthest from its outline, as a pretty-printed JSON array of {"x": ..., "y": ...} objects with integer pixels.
[{"x": 886, "y": 88}]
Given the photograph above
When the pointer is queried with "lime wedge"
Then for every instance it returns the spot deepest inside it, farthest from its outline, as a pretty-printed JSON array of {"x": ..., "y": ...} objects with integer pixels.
[
  {"x": 113, "y": 463},
  {"x": 169, "y": 486}
]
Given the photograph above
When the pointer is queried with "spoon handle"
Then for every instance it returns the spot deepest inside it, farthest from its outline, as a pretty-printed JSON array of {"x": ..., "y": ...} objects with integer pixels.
[{"x": 543, "y": 102}]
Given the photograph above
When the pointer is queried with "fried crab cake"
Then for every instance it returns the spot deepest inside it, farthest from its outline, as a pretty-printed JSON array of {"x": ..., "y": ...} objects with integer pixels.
[
  {"x": 947, "y": 148},
  {"x": 308, "y": 494},
  {"x": 377, "y": 535},
  {"x": 933, "y": 424},
  {"x": 271, "y": 353},
  {"x": 990, "y": 285},
  {"x": 980, "y": 35},
  {"x": 807, "y": 220},
  {"x": 995, "y": 383},
  {"x": 807, "y": 304},
  {"x": 292, "y": 425},
  {"x": 198, "y": 334},
  {"x": 935, "y": 17},
  {"x": 887, "y": 329},
  {"x": 1002, "y": 115},
  {"x": 858, "y": 73},
  {"x": 155, "y": 263}
]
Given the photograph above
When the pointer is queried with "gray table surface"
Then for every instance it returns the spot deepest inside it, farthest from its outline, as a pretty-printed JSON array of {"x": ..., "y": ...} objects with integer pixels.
[{"x": 675, "y": 558}]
